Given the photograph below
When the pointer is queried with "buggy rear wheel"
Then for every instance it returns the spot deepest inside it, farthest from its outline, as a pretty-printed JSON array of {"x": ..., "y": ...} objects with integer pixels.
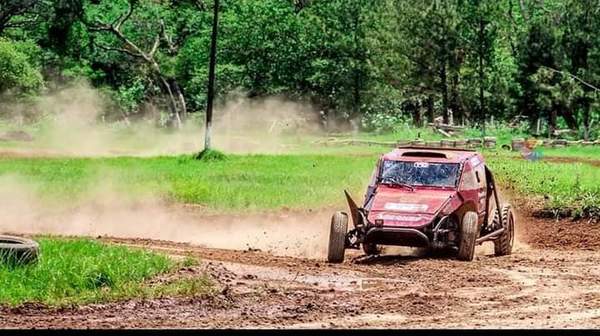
[
  {"x": 503, "y": 245},
  {"x": 469, "y": 230},
  {"x": 337, "y": 237}
]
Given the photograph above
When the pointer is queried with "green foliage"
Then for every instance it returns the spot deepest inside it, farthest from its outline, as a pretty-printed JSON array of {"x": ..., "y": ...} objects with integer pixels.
[
  {"x": 129, "y": 96},
  {"x": 378, "y": 62},
  {"x": 211, "y": 155},
  {"x": 17, "y": 71}
]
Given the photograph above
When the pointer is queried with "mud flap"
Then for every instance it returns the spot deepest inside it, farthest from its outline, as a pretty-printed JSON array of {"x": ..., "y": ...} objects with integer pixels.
[
  {"x": 492, "y": 184},
  {"x": 353, "y": 209}
]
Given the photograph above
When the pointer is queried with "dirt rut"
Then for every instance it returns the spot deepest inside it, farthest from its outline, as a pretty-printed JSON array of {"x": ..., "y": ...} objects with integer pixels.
[{"x": 532, "y": 288}]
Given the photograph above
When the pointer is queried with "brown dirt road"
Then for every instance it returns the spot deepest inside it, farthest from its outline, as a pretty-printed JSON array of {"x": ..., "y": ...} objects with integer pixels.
[{"x": 536, "y": 287}]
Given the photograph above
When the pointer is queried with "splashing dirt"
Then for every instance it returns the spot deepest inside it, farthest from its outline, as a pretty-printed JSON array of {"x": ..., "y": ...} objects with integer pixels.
[{"x": 105, "y": 212}]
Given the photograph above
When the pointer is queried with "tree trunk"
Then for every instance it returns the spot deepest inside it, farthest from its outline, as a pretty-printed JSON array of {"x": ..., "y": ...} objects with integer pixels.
[
  {"x": 455, "y": 99},
  {"x": 182, "y": 103},
  {"x": 444, "y": 82},
  {"x": 481, "y": 75},
  {"x": 569, "y": 118},
  {"x": 172, "y": 103},
  {"x": 358, "y": 50},
  {"x": 552, "y": 120},
  {"x": 415, "y": 111},
  {"x": 430, "y": 110},
  {"x": 417, "y": 117},
  {"x": 585, "y": 105},
  {"x": 356, "y": 95}
]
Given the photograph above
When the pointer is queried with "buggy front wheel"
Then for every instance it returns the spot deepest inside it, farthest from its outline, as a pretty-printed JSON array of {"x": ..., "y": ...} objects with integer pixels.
[
  {"x": 469, "y": 230},
  {"x": 337, "y": 237}
]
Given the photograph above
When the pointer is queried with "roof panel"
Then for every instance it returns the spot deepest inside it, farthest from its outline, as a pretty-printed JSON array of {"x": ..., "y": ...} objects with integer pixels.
[{"x": 452, "y": 155}]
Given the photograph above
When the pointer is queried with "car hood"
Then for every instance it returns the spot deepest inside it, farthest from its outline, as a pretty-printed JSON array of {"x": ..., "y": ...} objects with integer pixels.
[{"x": 403, "y": 207}]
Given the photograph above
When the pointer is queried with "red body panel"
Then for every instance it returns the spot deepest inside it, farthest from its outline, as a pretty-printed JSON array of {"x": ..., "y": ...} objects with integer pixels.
[
  {"x": 452, "y": 156},
  {"x": 402, "y": 207},
  {"x": 406, "y": 208}
]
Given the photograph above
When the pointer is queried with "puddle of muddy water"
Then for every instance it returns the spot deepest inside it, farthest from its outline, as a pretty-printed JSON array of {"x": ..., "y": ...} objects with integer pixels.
[
  {"x": 346, "y": 281},
  {"x": 262, "y": 273},
  {"x": 370, "y": 283}
]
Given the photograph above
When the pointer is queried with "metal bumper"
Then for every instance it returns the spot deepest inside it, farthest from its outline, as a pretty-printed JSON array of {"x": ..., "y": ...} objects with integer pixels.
[{"x": 396, "y": 236}]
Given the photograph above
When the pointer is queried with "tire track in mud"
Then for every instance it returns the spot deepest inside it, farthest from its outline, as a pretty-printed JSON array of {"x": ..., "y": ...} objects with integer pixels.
[{"x": 531, "y": 288}]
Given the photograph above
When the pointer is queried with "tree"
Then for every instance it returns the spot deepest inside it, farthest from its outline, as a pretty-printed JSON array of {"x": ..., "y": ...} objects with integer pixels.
[
  {"x": 432, "y": 48},
  {"x": 11, "y": 12},
  {"x": 339, "y": 54},
  {"x": 133, "y": 40},
  {"x": 580, "y": 41},
  {"x": 481, "y": 38},
  {"x": 16, "y": 71},
  {"x": 380, "y": 62}
]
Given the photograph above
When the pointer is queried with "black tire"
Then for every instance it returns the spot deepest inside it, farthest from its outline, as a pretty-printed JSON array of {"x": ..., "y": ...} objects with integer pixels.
[
  {"x": 504, "y": 244},
  {"x": 371, "y": 249},
  {"x": 337, "y": 237},
  {"x": 18, "y": 251},
  {"x": 469, "y": 230}
]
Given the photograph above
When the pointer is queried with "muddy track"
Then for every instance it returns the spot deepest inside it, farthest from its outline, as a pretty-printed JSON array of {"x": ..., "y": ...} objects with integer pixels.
[{"x": 533, "y": 288}]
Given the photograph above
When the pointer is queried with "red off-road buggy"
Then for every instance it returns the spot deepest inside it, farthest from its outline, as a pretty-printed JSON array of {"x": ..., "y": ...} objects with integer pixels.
[{"x": 440, "y": 199}]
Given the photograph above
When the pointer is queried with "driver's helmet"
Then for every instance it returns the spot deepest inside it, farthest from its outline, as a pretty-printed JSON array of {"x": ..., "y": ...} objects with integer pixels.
[
  {"x": 409, "y": 171},
  {"x": 429, "y": 174}
]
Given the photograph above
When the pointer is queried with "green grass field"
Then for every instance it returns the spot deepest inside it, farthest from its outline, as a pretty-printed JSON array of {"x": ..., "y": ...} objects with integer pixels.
[
  {"x": 254, "y": 182},
  {"x": 79, "y": 271},
  {"x": 271, "y": 182},
  {"x": 568, "y": 186},
  {"x": 590, "y": 153}
]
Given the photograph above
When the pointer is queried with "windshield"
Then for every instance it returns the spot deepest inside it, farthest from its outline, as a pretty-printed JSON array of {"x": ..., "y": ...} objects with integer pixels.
[{"x": 419, "y": 173}]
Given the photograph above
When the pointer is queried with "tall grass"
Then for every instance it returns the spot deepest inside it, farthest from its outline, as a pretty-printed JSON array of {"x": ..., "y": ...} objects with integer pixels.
[
  {"x": 83, "y": 271},
  {"x": 566, "y": 187}
]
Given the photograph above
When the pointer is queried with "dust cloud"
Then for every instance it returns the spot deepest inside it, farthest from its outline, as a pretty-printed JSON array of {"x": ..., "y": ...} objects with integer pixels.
[
  {"x": 74, "y": 123},
  {"x": 104, "y": 211},
  {"x": 268, "y": 125},
  {"x": 73, "y": 126}
]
